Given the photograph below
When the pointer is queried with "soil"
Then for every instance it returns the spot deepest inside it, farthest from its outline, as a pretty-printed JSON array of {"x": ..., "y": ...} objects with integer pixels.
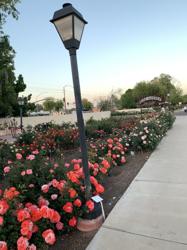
[{"x": 115, "y": 186}]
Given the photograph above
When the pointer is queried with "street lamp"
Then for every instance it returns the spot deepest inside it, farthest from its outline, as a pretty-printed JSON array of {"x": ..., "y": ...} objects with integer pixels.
[
  {"x": 21, "y": 103},
  {"x": 70, "y": 24}
]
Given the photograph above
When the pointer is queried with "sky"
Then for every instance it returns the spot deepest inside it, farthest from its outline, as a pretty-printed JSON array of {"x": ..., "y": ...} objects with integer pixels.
[{"x": 124, "y": 42}]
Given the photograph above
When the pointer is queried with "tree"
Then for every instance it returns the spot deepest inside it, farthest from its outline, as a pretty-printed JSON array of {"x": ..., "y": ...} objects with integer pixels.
[
  {"x": 87, "y": 105},
  {"x": 175, "y": 96},
  {"x": 8, "y": 7},
  {"x": 59, "y": 104},
  {"x": 9, "y": 85},
  {"x": 160, "y": 86},
  {"x": 19, "y": 86},
  {"x": 128, "y": 100},
  {"x": 104, "y": 105},
  {"x": 49, "y": 104},
  {"x": 184, "y": 99},
  {"x": 165, "y": 83},
  {"x": 140, "y": 91}
]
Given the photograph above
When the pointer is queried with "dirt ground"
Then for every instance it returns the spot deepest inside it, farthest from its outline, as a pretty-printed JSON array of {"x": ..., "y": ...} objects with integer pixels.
[{"x": 115, "y": 186}]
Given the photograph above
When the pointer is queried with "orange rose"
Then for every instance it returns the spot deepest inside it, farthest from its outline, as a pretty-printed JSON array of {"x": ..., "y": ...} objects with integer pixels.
[
  {"x": 23, "y": 214},
  {"x": 72, "y": 193},
  {"x": 72, "y": 222},
  {"x": 22, "y": 243},
  {"x": 49, "y": 236},
  {"x": 3, "y": 207},
  {"x": 3, "y": 245},
  {"x": 77, "y": 203},
  {"x": 68, "y": 207},
  {"x": 90, "y": 205}
]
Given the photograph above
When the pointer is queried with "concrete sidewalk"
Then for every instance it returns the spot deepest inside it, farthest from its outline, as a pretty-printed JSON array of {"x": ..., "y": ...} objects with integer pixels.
[{"x": 152, "y": 214}]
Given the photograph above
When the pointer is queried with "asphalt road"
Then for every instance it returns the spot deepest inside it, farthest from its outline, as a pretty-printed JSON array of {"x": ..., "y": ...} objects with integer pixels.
[{"x": 180, "y": 112}]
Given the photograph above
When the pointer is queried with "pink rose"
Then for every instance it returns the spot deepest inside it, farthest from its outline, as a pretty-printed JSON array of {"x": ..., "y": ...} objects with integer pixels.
[
  {"x": 18, "y": 156},
  {"x": 54, "y": 196},
  {"x": 32, "y": 247},
  {"x": 9, "y": 161},
  {"x": 31, "y": 157},
  {"x": 67, "y": 165},
  {"x": 56, "y": 165},
  {"x": 6, "y": 169},
  {"x": 23, "y": 173},
  {"x": 59, "y": 225},
  {"x": 45, "y": 188},
  {"x": 35, "y": 152},
  {"x": 123, "y": 159},
  {"x": 29, "y": 171}
]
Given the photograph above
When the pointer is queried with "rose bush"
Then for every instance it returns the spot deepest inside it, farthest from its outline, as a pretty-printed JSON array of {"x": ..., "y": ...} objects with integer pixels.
[{"x": 42, "y": 196}]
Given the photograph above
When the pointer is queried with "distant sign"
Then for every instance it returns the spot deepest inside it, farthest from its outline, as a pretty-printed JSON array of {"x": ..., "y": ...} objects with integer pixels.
[{"x": 150, "y": 98}]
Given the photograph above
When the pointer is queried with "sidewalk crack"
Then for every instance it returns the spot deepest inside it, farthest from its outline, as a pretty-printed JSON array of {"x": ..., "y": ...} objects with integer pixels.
[{"x": 143, "y": 235}]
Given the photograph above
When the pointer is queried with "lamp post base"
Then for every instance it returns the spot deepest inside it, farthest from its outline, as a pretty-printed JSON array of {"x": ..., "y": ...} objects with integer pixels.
[
  {"x": 86, "y": 225},
  {"x": 92, "y": 220}
]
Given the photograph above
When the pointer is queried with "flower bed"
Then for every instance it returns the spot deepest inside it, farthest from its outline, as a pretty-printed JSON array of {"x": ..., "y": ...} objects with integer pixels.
[{"x": 42, "y": 196}]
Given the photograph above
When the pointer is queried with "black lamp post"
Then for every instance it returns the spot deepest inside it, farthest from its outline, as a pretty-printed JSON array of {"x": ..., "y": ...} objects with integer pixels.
[
  {"x": 70, "y": 24},
  {"x": 21, "y": 103}
]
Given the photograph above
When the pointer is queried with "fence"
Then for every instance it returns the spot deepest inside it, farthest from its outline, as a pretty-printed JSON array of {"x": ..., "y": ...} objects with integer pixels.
[{"x": 56, "y": 118}]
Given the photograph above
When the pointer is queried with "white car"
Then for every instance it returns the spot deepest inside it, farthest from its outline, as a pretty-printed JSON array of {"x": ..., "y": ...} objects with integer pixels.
[{"x": 185, "y": 108}]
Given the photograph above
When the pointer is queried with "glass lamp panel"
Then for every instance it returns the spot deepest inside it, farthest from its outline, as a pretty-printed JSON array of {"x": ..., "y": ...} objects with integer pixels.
[
  {"x": 78, "y": 28},
  {"x": 64, "y": 27}
]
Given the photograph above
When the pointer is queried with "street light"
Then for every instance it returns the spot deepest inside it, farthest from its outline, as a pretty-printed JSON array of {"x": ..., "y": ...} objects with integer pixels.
[
  {"x": 21, "y": 103},
  {"x": 70, "y": 24}
]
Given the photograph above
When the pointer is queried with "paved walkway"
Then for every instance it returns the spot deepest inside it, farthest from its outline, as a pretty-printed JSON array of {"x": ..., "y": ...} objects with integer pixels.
[{"x": 152, "y": 214}]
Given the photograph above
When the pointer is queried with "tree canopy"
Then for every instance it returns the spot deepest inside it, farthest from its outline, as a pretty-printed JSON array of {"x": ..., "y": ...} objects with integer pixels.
[
  {"x": 8, "y": 7},
  {"x": 162, "y": 86},
  {"x": 10, "y": 86},
  {"x": 87, "y": 105},
  {"x": 50, "y": 104}
]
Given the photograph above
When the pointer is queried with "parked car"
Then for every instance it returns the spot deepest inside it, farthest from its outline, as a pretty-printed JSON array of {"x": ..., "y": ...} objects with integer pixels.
[
  {"x": 40, "y": 113},
  {"x": 185, "y": 108}
]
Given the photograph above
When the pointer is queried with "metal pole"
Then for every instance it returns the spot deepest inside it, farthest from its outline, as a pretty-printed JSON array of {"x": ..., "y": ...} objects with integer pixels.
[
  {"x": 21, "y": 119},
  {"x": 80, "y": 121}
]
